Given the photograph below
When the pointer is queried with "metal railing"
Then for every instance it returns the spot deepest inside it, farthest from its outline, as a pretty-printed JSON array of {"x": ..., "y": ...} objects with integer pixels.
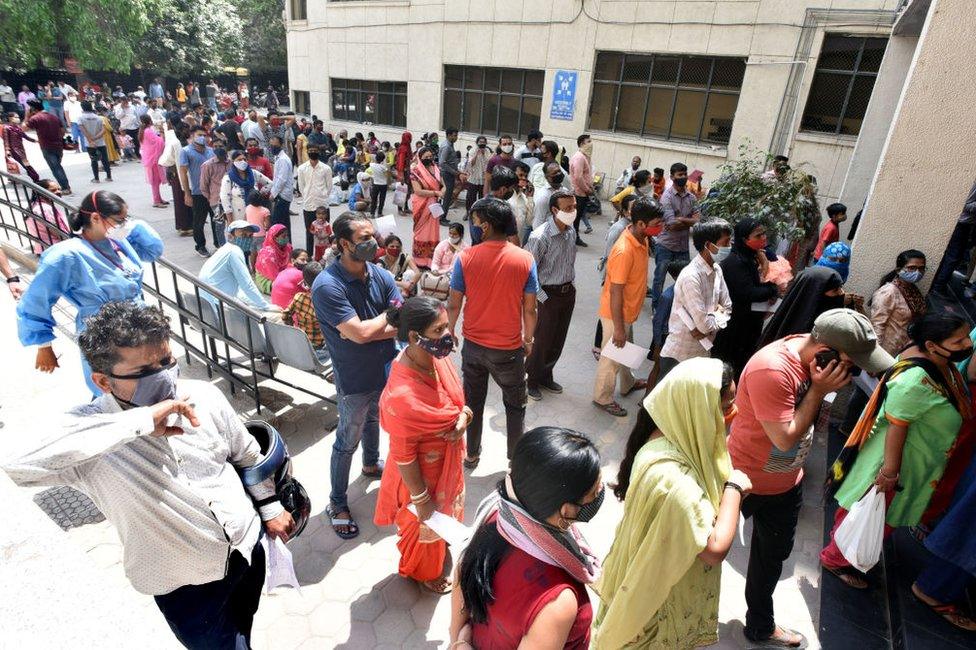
[{"x": 232, "y": 341}]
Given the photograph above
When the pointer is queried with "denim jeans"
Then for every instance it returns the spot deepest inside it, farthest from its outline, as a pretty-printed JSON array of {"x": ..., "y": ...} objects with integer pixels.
[
  {"x": 219, "y": 225},
  {"x": 53, "y": 159},
  {"x": 218, "y": 614},
  {"x": 662, "y": 257},
  {"x": 78, "y": 137},
  {"x": 359, "y": 419}
]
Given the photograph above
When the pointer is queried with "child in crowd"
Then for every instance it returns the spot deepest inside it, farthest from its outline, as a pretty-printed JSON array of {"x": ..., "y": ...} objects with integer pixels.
[
  {"x": 127, "y": 146},
  {"x": 300, "y": 312},
  {"x": 831, "y": 230},
  {"x": 381, "y": 177},
  {"x": 257, "y": 212},
  {"x": 321, "y": 231}
]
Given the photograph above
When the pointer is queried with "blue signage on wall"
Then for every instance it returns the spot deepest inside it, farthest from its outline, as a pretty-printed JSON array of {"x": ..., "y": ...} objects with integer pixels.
[{"x": 563, "y": 95}]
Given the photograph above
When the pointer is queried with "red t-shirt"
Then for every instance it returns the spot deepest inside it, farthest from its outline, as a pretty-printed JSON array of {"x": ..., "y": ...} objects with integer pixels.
[
  {"x": 48, "y": 129},
  {"x": 263, "y": 165},
  {"x": 523, "y": 586},
  {"x": 770, "y": 389},
  {"x": 828, "y": 235},
  {"x": 494, "y": 276}
]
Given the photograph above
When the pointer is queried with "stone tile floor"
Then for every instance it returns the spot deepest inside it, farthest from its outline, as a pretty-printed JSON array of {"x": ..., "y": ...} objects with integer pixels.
[{"x": 351, "y": 596}]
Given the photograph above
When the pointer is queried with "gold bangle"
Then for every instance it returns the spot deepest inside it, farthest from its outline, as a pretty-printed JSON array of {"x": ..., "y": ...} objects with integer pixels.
[{"x": 420, "y": 498}]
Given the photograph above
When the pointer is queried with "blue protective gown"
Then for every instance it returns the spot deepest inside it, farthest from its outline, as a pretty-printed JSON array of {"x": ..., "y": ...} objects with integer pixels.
[{"x": 75, "y": 270}]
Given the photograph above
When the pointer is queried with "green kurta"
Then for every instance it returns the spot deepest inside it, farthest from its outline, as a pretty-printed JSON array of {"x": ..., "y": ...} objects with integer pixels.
[{"x": 933, "y": 425}]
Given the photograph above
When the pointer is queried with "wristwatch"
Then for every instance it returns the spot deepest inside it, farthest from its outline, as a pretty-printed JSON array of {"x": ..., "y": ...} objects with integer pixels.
[
  {"x": 734, "y": 486},
  {"x": 13, "y": 278}
]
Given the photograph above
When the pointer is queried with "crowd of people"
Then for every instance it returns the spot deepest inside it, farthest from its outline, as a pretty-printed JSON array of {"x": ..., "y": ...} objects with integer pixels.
[{"x": 744, "y": 351}]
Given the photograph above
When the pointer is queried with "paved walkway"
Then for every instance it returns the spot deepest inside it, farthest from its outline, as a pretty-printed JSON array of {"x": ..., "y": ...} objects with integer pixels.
[{"x": 351, "y": 596}]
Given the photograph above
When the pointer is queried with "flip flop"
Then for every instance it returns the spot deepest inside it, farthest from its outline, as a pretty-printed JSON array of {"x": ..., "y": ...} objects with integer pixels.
[
  {"x": 781, "y": 641},
  {"x": 336, "y": 521},
  {"x": 640, "y": 384},
  {"x": 612, "y": 408},
  {"x": 949, "y": 612},
  {"x": 439, "y": 586},
  {"x": 846, "y": 572},
  {"x": 376, "y": 473}
]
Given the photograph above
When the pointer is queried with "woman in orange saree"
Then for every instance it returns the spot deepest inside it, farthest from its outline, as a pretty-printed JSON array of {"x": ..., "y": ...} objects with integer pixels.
[
  {"x": 428, "y": 189},
  {"x": 422, "y": 408}
]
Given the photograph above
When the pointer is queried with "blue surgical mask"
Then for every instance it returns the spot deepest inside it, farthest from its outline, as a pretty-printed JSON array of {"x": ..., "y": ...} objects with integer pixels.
[
  {"x": 912, "y": 276},
  {"x": 721, "y": 254},
  {"x": 200, "y": 140},
  {"x": 244, "y": 243}
]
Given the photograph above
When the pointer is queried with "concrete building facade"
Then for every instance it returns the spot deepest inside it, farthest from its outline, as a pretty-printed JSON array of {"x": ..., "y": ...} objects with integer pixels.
[{"x": 833, "y": 84}]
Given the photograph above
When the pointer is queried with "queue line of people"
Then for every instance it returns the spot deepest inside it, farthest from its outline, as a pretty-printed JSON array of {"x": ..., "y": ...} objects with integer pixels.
[{"x": 765, "y": 395}]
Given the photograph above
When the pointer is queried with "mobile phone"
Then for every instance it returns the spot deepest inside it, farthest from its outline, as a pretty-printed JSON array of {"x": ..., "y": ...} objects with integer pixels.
[{"x": 824, "y": 358}]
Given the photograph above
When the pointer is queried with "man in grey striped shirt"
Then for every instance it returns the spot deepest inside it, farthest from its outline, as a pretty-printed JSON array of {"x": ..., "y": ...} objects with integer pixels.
[
  {"x": 553, "y": 245},
  {"x": 159, "y": 457}
]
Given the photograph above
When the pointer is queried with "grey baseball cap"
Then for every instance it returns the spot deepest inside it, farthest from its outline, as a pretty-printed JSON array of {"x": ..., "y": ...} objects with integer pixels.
[{"x": 850, "y": 332}]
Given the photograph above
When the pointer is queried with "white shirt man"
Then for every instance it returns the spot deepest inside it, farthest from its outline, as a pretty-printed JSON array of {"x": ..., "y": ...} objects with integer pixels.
[
  {"x": 314, "y": 184},
  {"x": 702, "y": 304},
  {"x": 126, "y": 114}
]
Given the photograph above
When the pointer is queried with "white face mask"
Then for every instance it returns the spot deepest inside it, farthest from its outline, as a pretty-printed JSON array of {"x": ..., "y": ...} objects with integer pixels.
[
  {"x": 118, "y": 233},
  {"x": 566, "y": 218},
  {"x": 506, "y": 148},
  {"x": 455, "y": 240},
  {"x": 720, "y": 254},
  {"x": 240, "y": 164},
  {"x": 647, "y": 190}
]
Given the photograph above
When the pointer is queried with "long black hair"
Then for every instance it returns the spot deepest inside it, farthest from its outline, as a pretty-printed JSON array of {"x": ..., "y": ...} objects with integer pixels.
[
  {"x": 644, "y": 426},
  {"x": 550, "y": 466},
  {"x": 901, "y": 261},
  {"x": 741, "y": 232},
  {"x": 105, "y": 203},
  {"x": 935, "y": 327}
]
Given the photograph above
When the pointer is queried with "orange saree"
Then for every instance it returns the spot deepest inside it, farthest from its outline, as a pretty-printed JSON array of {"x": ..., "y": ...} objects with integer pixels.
[{"x": 416, "y": 410}]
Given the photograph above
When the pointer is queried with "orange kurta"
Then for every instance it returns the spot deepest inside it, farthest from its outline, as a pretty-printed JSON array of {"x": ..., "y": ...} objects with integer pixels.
[{"x": 416, "y": 410}]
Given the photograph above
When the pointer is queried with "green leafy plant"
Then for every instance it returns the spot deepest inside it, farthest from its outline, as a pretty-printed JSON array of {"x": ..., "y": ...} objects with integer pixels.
[{"x": 786, "y": 205}]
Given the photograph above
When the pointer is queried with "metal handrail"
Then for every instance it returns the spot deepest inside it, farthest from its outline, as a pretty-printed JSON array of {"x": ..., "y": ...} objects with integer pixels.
[{"x": 21, "y": 205}]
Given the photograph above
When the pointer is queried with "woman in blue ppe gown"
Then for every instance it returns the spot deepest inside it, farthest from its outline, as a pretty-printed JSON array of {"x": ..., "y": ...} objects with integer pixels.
[{"x": 102, "y": 263}]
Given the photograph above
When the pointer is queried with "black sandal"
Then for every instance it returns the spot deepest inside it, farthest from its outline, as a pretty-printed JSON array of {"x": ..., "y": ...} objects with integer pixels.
[
  {"x": 376, "y": 473},
  {"x": 336, "y": 521}
]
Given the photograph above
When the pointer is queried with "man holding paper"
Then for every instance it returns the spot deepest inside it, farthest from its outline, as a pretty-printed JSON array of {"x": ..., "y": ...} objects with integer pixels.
[
  {"x": 701, "y": 299},
  {"x": 621, "y": 302}
]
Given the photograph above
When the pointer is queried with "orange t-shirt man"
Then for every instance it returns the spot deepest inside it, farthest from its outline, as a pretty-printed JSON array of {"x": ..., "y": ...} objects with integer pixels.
[{"x": 626, "y": 265}]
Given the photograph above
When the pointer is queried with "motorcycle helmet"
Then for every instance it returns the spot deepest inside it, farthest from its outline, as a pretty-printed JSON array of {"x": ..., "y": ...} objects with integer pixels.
[{"x": 277, "y": 464}]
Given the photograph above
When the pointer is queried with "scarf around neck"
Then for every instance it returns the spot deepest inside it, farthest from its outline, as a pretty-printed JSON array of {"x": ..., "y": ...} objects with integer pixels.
[{"x": 567, "y": 550}]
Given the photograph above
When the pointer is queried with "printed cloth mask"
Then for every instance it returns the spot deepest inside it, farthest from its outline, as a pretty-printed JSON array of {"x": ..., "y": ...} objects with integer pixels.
[
  {"x": 365, "y": 251},
  {"x": 437, "y": 348},
  {"x": 910, "y": 276}
]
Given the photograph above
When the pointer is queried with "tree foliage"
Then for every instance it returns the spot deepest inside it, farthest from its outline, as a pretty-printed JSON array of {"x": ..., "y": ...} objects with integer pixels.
[
  {"x": 787, "y": 206},
  {"x": 191, "y": 36},
  {"x": 99, "y": 34},
  {"x": 173, "y": 37}
]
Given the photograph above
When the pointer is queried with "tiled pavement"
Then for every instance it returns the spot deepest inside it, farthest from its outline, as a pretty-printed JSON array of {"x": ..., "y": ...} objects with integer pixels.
[{"x": 351, "y": 596}]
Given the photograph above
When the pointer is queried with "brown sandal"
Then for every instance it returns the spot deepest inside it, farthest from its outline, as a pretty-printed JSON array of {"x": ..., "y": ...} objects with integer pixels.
[
  {"x": 848, "y": 576},
  {"x": 640, "y": 384},
  {"x": 949, "y": 612},
  {"x": 612, "y": 408}
]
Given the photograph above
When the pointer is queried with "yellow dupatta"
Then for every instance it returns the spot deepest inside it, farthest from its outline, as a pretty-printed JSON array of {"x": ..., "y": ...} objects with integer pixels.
[{"x": 675, "y": 488}]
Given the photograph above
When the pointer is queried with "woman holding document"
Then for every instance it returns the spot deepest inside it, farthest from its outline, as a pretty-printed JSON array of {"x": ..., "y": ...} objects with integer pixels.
[{"x": 422, "y": 408}]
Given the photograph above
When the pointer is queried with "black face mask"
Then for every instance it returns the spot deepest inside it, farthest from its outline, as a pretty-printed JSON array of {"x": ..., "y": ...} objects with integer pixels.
[
  {"x": 482, "y": 145},
  {"x": 428, "y": 162},
  {"x": 831, "y": 302},
  {"x": 557, "y": 179},
  {"x": 589, "y": 510},
  {"x": 955, "y": 356},
  {"x": 680, "y": 182},
  {"x": 313, "y": 155}
]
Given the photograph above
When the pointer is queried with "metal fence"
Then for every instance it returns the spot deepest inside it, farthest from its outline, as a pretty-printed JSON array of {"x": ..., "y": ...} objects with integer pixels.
[{"x": 226, "y": 335}]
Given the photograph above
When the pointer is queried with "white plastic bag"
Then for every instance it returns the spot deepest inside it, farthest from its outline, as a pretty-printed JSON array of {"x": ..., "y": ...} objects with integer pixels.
[
  {"x": 860, "y": 535},
  {"x": 400, "y": 195}
]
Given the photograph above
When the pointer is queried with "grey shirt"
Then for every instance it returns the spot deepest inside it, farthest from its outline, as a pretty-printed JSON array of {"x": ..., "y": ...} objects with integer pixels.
[
  {"x": 676, "y": 205},
  {"x": 90, "y": 123},
  {"x": 554, "y": 253},
  {"x": 447, "y": 159}
]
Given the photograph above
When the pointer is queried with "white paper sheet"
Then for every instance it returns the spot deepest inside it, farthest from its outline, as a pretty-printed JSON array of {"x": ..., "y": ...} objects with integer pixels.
[
  {"x": 280, "y": 567},
  {"x": 765, "y": 306},
  {"x": 385, "y": 225},
  {"x": 436, "y": 210},
  {"x": 630, "y": 355},
  {"x": 447, "y": 528}
]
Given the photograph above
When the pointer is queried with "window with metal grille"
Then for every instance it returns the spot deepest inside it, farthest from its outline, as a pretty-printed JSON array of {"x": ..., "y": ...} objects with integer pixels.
[
  {"x": 299, "y": 9},
  {"x": 302, "y": 102},
  {"x": 842, "y": 84},
  {"x": 683, "y": 98},
  {"x": 501, "y": 101},
  {"x": 376, "y": 102}
]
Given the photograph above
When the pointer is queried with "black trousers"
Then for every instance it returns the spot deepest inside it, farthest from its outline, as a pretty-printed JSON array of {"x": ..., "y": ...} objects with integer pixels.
[
  {"x": 377, "y": 199},
  {"x": 555, "y": 314},
  {"x": 449, "y": 181},
  {"x": 218, "y": 614},
  {"x": 201, "y": 209},
  {"x": 96, "y": 154},
  {"x": 507, "y": 368},
  {"x": 134, "y": 133},
  {"x": 774, "y": 518},
  {"x": 472, "y": 193},
  {"x": 582, "y": 203}
]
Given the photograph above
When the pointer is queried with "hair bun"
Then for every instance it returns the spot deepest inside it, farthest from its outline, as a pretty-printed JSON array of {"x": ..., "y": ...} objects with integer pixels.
[{"x": 393, "y": 316}]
